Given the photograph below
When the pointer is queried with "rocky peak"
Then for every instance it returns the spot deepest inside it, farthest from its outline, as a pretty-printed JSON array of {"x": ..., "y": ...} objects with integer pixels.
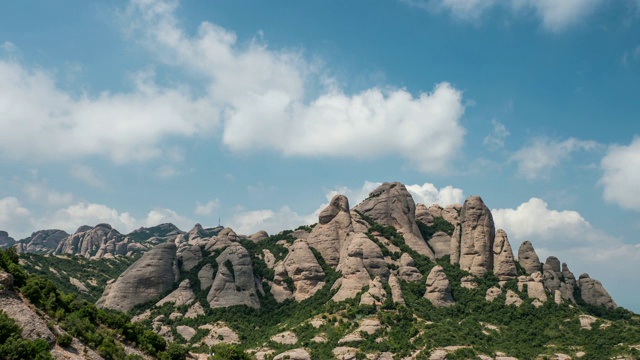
[
  {"x": 88, "y": 243},
  {"x": 234, "y": 284},
  {"x": 334, "y": 225},
  {"x": 528, "y": 258},
  {"x": 593, "y": 293},
  {"x": 392, "y": 205},
  {"x": 153, "y": 274},
  {"x": 304, "y": 269},
  {"x": 5, "y": 240},
  {"x": 474, "y": 238},
  {"x": 504, "y": 266},
  {"x": 42, "y": 242}
]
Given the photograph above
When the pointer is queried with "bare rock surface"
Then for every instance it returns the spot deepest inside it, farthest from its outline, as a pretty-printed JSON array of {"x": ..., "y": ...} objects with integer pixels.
[
  {"x": 493, "y": 293},
  {"x": 6, "y": 241},
  {"x": 368, "y": 326},
  {"x": 528, "y": 258},
  {"x": 334, "y": 225},
  {"x": 186, "y": 332},
  {"x": 279, "y": 287},
  {"x": 190, "y": 256},
  {"x": 234, "y": 283},
  {"x": 504, "y": 266},
  {"x": 78, "y": 284},
  {"x": 183, "y": 295},
  {"x": 33, "y": 327},
  {"x": 295, "y": 354},
  {"x": 361, "y": 258},
  {"x": 205, "y": 276},
  {"x": 40, "y": 242},
  {"x": 424, "y": 215},
  {"x": 226, "y": 237},
  {"x": 287, "y": 338},
  {"x": 303, "y": 267},
  {"x": 194, "y": 311},
  {"x": 593, "y": 293},
  {"x": 268, "y": 258},
  {"x": 396, "y": 291},
  {"x": 407, "y": 270},
  {"x": 259, "y": 236},
  {"x": 440, "y": 242},
  {"x": 376, "y": 295},
  {"x": 95, "y": 242},
  {"x": 476, "y": 237},
  {"x": 345, "y": 353},
  {"x": 451, "y": 213},
  {"x": 513, "y": 299},
  {"x": 391, "y": 205},
  {"x": 153, "y": 274},
  {"x": 438, "y": 288},
  {"x": 219, "y": 333}
]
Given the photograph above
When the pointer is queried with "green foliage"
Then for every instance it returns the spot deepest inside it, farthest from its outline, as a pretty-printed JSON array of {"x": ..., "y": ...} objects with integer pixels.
[
  {"x": 439, "y": 224},
  {"x": 228, "y": 352},
  {"x": 64, "y": 340}
]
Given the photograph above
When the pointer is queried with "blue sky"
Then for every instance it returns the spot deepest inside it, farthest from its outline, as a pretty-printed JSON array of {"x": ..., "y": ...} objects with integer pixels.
[{"x": 142, "y": 112}]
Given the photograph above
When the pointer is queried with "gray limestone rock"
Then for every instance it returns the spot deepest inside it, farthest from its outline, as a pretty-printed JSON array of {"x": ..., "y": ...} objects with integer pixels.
[
  {"x": 304, "y": 269},
  {"x": 424, "y": 215},
  {"x": 94, "y": 242},
  {"x": 438, "y": 288},
  {"x": 183, "y": 295},
  {"x": 504, "y": 266},
  {"x": 451, "y": 213},
  {"x": 5, "y": 240},
  {"x": 190, "y": 256},
  {"x": 528, "y": 258},
  {"x": 396, "y": 291},
  {"x": 153, "y": 274},
  {"x": 279, "y": 287},
  {"x": 553, "y": 263},
  {"x": 593, "y": 293},
  {"x": 225, "y": 237},
  {"x": 392, "y": 205},
  {"x": 33, "y": 326},
  {"x": 477, "y": 234},
  {"x": 234, "y": 283},
  {"x": 513, "y": 299},
  {"x": 329, "y": 236}
]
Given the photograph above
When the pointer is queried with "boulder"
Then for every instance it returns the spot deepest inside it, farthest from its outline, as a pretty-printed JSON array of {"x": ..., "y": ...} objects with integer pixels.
[
  {"x": 153, "y": 274},
  {"x": 295, "y": 354},
  {"x": 186, "y": 332},
  {"x": 190, "y": 256},
  {"x": 304, "y": 269},
  {"x": 391, "y": 205},
  {"x": 6, "y": 280},
  {"x": 226, "y": 237},
  {"x": 234, "y": 283},
  {"x": 528, "y": 258},
  {"x": 279, "y": 287},
  {"x": 477, "y": 234},
  {"x": 361, "y": 259},
  {"x": 334, "y": 225},
  {"x": 513, "y": 299},
  {"x": 568, "y": 276},
  {"x": 194, "y": 311},
  {"x": 287, "y": 338},
  {"x": 535, "y": 286},
  {"x": 493, "y": 293},
  {"x": 183, "y": 295},
  {"x": 440, "y": 242},
  {"x": 407, "y": 270},
  {"x": 504, "y": 266},
  {"x": 424, "y": 215},
  {"x": 593, "y": 293},
  {"x": 438, "y": 288}
]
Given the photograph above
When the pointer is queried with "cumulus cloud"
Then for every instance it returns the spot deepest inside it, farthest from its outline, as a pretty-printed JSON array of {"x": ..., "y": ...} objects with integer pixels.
[
  {"x": 14, "y": 218},
  {"x": 208, "y": 208},
  {"x": 38, "y": 191},
  {"x": 277, "y": 100},
  {"x": 536, "y": 159},
  {"x": 122, "y": 126},
  {"x": 621, "y": 175},
  {"x": 249, "y": 222},
  {"x": 555, "y": 15},
  {"x": 428, "y": 194}
]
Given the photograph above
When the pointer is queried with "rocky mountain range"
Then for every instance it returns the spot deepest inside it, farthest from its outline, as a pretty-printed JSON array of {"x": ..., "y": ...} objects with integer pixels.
[{"x": 385, "y": 255}]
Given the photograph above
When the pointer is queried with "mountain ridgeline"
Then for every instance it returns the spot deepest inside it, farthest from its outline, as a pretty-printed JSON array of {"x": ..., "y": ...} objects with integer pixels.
[{"x": 386, "y": 279}]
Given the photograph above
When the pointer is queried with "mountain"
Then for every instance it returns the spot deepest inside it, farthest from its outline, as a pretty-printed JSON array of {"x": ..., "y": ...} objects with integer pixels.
[
  {"x": 384, "y": 279},
  {"x": 5, "y": 240}
]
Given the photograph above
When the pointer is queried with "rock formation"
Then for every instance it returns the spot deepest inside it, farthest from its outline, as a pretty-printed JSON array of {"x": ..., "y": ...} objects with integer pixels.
[
  {"x": 334, "y": 225},
  {"x": 183, "y": 295},
  {"x": 5, "y": 240},
  {"x": 41, "y": 242},
  {"x": 593, "y": 293},
  {"x": 424, "y": 215},
  {"x": 225, "y": 237},
  {"x": 376, "y": 295},
  {"x": 279, "y": 287},
  {"x": 504, "y": 266},
  {"x": 259, "y": 236},
  {"x": 234, "y": 284},
  {"x": 304, "y": 269},
  {"x": 513, "y": 299},
  {"x": 205, "y": 276},
  {"x": 153, "y": 274},
  {"x": 440, "y": 242},
  {"x": 438, "y": 288},
  {"x": 475, "y": 237},
  {"x": 528, "y": 258},
  {"x": 392, "y": 205},
  {"x": 360, "y": 260},
  {"x": 407, "y": 270},
  {"x": 97, "y": 242},
  {"x": 189, "y": 255}
]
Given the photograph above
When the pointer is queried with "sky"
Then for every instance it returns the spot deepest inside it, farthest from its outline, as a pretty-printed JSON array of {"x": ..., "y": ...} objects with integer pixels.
[{"x": 253, "y": 114}]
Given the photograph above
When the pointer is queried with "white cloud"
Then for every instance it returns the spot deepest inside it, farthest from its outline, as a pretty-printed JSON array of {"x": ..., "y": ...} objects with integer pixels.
[
  {"x": 268, "y": 103},
  {"x": 249, "y": 222},
  {"x": 14, "y": 218},
  {"x": 495, "y": 140},
  {"x": 87, "y": 175},
  {"x": 537, "y": 159},
  {"x": 38, "y": 191},
  {"x": 122, "y": 126},
  {"x": 621, "y": 175},
  {"x": 208, "y": 208},
  {"x": 167, "y": 172},
  {"x": 84, "y": 213},
  {"x": 555, "y": 15},
  {"x": 160, "y": 216},
  {"x": 428, "y": 194}
]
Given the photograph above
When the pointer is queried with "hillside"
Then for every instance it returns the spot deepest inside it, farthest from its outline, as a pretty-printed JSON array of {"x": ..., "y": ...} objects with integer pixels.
[{"x": 385, "y": 279}]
